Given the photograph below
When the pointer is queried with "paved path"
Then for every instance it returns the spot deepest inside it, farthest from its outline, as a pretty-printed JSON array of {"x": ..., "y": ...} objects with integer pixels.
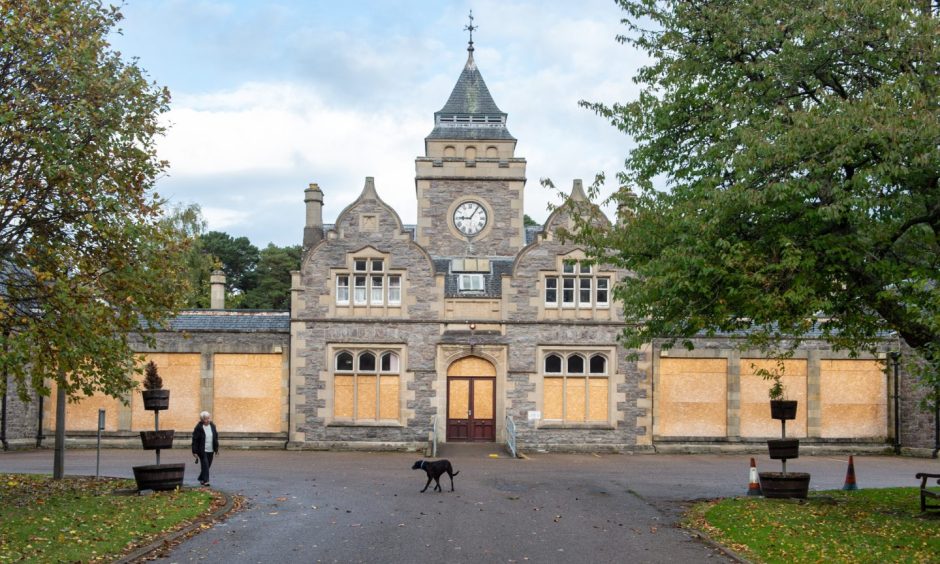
[{"x": 365, "y": 507}]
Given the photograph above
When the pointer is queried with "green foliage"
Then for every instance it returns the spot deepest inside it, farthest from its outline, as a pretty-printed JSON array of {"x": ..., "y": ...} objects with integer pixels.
[
  {"x": 152, "y": 380},
  {"x": 273, "y": 278},
  {"x": 528, "y": 221},
  {"x": 799, "y": 144},
  {"x": 237, "y": 256},
  {"x": 80, "y": 519},
  {"x": 877, "y": 525},
  {"x": 84, "y": 255},
  {"x": 199, "y": 264}
]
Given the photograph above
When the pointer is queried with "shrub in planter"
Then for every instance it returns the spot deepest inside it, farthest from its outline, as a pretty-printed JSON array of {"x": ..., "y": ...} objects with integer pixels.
[
  {"x": 155, "y": 397},
  {"x": 782, "y": 484}
]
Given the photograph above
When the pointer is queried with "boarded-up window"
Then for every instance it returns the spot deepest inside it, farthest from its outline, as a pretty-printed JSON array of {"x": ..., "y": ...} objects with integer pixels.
[
  {"x": 597, "y": 399},
  {"x": 388, "y": 394},
  {"x": 554, "y": 398},
  {"x": 459, "y": 399},
  {"x": 366, "y": 395},
  {"x": 573, "y": 397},
  {"x": 483, "y": 399},
  {"x": 343, "y": 396}
]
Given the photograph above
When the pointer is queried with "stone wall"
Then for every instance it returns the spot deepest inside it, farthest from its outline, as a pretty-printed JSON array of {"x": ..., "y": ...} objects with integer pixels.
[
  {"x": 22, "y": 420},
  {"x": 917, "y": 424}
]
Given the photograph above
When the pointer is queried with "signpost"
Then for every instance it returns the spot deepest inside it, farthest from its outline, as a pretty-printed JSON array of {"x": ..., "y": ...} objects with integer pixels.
[{"x": 100, "y": 428}]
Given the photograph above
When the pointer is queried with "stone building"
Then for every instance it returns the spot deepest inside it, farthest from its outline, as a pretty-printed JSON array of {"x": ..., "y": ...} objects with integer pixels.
[{"x": 468, "y": 322}]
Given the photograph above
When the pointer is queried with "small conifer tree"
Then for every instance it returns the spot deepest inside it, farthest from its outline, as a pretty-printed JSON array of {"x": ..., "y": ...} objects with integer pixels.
[{"x": 152, "y": 380}]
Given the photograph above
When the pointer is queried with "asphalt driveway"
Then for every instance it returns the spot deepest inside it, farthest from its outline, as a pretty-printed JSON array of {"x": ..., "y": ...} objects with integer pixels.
[{"x": 366, "y": 507}]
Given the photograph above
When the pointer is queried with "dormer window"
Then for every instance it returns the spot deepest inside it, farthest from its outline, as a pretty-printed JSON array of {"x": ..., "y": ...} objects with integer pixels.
[{"x": 470, "y": 283}]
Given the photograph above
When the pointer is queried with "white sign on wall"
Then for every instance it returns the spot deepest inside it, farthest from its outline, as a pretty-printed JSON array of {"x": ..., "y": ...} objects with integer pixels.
[{"x": 535, "y": 415}]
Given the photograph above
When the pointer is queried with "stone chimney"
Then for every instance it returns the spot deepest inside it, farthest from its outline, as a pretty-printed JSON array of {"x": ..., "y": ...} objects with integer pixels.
[
  {"x": 313, "y": 229},
  {"x": 217, "y": 290}
]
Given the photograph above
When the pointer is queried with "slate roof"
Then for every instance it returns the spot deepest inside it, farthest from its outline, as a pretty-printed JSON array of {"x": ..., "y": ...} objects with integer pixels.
[
  {"x": 470, "y": 112},
  {"x": 492, "y": 281},
  {"x": 231, "y": 321},
  {"x": 531, "y": 232}
]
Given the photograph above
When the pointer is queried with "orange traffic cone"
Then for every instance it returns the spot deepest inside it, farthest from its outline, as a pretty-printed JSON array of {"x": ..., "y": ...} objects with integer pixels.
[
  {"x": 753, "y": 486},
  {"x": 850, "y": 476}
]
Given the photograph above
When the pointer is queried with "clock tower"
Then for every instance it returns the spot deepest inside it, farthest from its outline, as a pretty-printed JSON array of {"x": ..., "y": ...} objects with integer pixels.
[{"x": 469, "y": 183}]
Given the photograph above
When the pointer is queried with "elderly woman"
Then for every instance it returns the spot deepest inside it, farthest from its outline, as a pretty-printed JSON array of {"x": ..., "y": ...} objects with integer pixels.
[{"x": 205, "y": 445}]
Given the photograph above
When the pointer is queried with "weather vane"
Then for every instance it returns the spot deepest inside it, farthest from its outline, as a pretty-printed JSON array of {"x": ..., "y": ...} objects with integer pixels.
[{"x": 470, "y": 28}]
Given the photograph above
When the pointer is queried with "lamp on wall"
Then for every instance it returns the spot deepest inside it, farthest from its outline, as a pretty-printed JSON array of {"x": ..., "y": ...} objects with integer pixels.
[{"x": 472, "y": 327}]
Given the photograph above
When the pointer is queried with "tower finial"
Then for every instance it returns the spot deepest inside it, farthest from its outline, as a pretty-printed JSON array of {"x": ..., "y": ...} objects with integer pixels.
[{"x": 470, "y": 27}]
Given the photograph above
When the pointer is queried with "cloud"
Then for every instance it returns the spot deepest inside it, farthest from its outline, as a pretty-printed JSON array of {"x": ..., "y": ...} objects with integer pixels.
[
  {"x": 334, "y": 104},
  {"x": 221, "y": 218}
]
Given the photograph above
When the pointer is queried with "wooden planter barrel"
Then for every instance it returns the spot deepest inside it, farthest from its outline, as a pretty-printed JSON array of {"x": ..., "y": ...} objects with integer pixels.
[
  {"x": 156, "y": 400},
  {"x": 153, "y": 440},
  {"x": 778, "y": 485},
  {"x": 783, "y": 449},
  {"x": 783, "y": 409},
  {"x": 159, "y": 477}
]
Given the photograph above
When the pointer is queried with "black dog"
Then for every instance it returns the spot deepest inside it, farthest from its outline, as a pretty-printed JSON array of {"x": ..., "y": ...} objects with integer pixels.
[{"x": 435, "y": 470}]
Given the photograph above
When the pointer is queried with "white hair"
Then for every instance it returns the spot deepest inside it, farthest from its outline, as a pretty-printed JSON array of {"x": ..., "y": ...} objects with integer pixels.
[{"x": 205, "y": 414}]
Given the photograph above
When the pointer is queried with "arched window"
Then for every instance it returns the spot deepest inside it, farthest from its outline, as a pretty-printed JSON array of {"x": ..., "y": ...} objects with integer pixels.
[
  {"x": 344, "y": 362},
  {"x": 576, "y": 387},
  {"x": 553, "y": 364},
  {"x": 389, "y": 362},
  {"x": 366, "y": 362},
  {"x": 575, "y": 364},
  {"x": 371, "y": 391}
]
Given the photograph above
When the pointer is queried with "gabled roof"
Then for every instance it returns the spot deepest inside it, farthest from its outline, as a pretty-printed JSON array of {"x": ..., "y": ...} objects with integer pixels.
[{"x": 470, "y": 112}]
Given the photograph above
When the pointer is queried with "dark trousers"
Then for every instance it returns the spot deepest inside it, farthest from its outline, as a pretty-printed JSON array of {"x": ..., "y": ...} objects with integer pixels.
[{"x": 205, "y": 461}]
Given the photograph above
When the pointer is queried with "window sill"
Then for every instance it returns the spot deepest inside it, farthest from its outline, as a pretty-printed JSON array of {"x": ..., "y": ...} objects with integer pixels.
[
  {"x": 560, "y": 425},
  {"x": 386, "y": 423}
]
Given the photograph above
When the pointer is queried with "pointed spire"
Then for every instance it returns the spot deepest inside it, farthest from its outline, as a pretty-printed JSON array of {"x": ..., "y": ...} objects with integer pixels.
[
  {"x": 577, "y": 191},
  {"x": 368, "y": 191},
  {"x": 470, "y": 112}
]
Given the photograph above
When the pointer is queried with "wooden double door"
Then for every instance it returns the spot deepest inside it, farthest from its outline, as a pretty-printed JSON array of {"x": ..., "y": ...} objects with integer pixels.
[{"x": 471, "y": 408}]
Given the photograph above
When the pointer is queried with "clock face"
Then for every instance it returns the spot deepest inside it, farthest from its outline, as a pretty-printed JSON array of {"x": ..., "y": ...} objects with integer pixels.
[{"x": 470, "y": 218}]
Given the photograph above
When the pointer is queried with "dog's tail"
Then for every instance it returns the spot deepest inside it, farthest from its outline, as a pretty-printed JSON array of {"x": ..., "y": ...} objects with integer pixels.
[{"x": 455, "y": 473}]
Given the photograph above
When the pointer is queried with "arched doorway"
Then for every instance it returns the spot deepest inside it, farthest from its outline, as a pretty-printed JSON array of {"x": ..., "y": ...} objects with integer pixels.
[{"x": 471, "y": 400}]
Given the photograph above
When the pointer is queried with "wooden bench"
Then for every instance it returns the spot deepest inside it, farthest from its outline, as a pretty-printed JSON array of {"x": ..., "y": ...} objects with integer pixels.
[{"x": 925, "y": 493}]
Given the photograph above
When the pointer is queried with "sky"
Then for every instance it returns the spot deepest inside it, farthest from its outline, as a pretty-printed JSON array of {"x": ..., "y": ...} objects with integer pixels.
[{"x": 269, "y": 96}]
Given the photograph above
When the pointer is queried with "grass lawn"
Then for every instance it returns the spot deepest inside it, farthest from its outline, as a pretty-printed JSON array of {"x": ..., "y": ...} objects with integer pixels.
[
  {"x": 80, "y": 519},
  {"x": 877, "y": 525}
]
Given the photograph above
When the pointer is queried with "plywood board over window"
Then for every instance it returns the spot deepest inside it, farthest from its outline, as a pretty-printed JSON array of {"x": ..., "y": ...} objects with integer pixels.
[
  {"x": 483, "y": 399},
  {"x": 853, "y": 394},
  {"x": 597, "y": 399},
  {"x": 459, "y": 399},
  {"x": 554, "y": 389},
  {"x": 471, "y": 366},
  {"x": 365, "y": 397},
  {"x": 388, "y": 386},
  {"x": 343, "y": 396},
  {"x": 83, "y": 416},
  {"x": 248, "y": 393},
  {"x": 692, "y": 398}
]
